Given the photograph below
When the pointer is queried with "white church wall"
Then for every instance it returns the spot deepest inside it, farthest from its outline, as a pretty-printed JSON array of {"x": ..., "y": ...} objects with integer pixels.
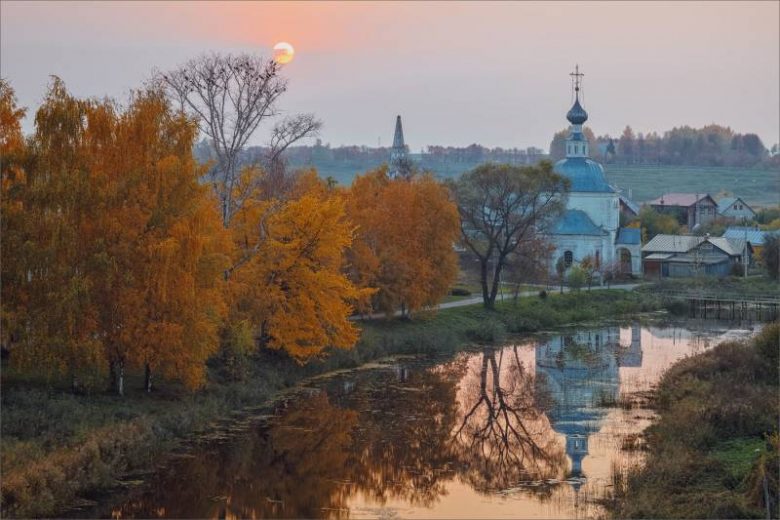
[
  {"x": 580, "y": 246},
  {"x": 602, "y": 208}
]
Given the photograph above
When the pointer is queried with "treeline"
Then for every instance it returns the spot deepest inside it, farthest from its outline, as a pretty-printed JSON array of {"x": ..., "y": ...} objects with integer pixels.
[
  {"x": 712, "y": 145},
  {"x": 121, "y": 252},
  {"x": 371, "y": 156}
]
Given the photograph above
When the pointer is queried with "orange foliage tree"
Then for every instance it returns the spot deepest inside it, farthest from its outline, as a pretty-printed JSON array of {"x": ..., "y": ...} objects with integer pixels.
[
  {"x": 405, "y": 231},
  {"x": 287, "y": 280},
  {"x": 124, "y": 249}
]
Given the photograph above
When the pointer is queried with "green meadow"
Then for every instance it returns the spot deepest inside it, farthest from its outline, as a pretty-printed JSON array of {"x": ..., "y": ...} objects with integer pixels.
[{"x": 760, "y": 187}]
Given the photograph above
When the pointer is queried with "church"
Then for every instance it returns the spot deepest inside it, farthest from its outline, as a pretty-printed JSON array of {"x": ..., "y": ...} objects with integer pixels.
[{"x": 590, "y": 226}]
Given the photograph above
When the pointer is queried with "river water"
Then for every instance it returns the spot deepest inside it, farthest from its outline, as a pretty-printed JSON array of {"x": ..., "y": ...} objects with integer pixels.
[{"x": 532, "y": 429}]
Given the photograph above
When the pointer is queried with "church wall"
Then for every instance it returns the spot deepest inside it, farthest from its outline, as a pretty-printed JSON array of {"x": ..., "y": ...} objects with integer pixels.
[
  {"x": 602, "y": 208},
  {"x": 581, "y": 246}
]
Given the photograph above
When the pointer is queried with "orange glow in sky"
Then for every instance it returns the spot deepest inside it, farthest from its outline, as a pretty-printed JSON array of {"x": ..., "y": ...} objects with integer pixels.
[{"x": 493, "y": 73}]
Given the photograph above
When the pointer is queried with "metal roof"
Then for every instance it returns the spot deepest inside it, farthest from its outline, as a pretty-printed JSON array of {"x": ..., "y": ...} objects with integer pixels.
[
  {"x": 630, "y": 204},
  {"x": 679, "y": 199},
  {"x": 584, "y": 174},
  {"x": 726, "y": 202},
  {"x": 755, "y": 236},
  {"x": 629, "y": 236},
  {"x": 672, "y": 243},
  {"x": 684, "y": 243},
  {"x": 659, "y": 256},
  {"x": 732, "y": 246},
  {"x": 576, "y": 222}
]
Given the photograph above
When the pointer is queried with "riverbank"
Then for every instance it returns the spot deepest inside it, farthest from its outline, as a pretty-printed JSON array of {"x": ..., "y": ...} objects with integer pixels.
[
  {"x": 713, "y": 453},
  {"x": 60, "y": 449}
]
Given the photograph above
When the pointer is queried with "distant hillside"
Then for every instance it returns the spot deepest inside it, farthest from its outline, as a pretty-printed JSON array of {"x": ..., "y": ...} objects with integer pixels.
[{"x": 755, "y": 186}]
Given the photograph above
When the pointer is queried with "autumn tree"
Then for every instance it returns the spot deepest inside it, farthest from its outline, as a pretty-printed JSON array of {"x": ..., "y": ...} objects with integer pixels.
[
  {"x": 287, "y": 279},
  {"x": 123, "y": 248},
  {"x": 405, "y": 232},
  {"x": 502, "y": 207},
  {"x": 13, "y": 224},
  {"x": 230, "y": 96},
  {"x": 590, "y": 267}
]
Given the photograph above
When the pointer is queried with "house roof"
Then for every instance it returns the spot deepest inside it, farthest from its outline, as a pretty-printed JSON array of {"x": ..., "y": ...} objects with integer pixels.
[
  {"x": 684, "y": 243},
  {"x": 576, "y": 222},
  {"x": 726, "y": 202},
  {"x": 732, "y": 246},
  {"x": 630, "y": 204},
  {"x": 680, "y": 199},
  {"x": 755, "y": 236},
  {"x": 672, "y": 243},
  {"x": 629, "y": 236},
  {"x": 659, "y": 256}
]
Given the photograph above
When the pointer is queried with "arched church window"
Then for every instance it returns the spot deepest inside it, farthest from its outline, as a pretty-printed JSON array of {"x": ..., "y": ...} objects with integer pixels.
[{"x": 568, "y": 258}]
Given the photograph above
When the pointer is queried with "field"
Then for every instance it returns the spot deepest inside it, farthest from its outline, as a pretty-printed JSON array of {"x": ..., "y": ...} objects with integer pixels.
[
  {"x": 759, "y": 187},
  {"x": 755, "y": 186}
]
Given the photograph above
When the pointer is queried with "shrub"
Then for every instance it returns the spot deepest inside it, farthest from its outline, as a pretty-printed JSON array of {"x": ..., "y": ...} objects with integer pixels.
[
  {"x": 460, "y": 291},
  {"x": 542, "y": 294},
  {"x": 488, "y": 331}
]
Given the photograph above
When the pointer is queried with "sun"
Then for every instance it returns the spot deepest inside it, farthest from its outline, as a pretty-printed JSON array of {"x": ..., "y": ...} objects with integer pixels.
[{"x": 283, "y": 53}]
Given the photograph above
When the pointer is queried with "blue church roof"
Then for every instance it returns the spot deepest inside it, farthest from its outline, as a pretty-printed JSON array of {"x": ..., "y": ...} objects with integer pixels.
[
  {"x": 629, "y": 236},
  {"x": 584, "y": 174},
  {"x": 576, "y": 222},
  {"x": 577, "y": 115}
]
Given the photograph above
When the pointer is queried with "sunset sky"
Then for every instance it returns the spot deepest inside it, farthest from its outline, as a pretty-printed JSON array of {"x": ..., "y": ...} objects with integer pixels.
[{"x": 458, "y": 73}]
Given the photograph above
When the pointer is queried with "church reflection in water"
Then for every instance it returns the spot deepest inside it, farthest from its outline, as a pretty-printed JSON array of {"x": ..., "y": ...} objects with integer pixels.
[
  {"x": 488, "y": 423},
  {"x": 581, "y": 373}
]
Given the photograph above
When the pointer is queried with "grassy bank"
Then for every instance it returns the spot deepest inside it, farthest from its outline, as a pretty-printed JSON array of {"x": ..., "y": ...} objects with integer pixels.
[
  {"x": 752, "y": 285},
  {"x": 59, "y": 449},
  {"x": 716, "y": 440}
]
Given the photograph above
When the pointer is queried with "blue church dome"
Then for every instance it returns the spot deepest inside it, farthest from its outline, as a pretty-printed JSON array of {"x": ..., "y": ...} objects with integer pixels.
[
  {"x": 577, "y": 115},
  {"x": 584, "y": 174}
]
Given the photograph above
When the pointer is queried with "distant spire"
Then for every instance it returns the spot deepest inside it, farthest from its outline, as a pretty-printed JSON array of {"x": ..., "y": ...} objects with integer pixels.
[
  {"x": 399, "y": 160},
  {"x": 398, "y": 138}
]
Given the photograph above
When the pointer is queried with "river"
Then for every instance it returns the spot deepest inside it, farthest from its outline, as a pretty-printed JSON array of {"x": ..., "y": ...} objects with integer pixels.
[{"x": 535, "y": 428}]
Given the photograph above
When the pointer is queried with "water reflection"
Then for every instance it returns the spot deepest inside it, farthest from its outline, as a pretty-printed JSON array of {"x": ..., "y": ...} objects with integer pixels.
[
  {"x": 525, "y": 430},
  {"x": 581, "y": 372}
]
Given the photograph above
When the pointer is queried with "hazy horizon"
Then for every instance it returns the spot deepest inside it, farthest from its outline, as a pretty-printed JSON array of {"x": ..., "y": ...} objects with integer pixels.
[{"x": 495, "y": 74}]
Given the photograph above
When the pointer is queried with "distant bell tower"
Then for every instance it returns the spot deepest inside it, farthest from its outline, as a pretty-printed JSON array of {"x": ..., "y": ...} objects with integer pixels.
[
  {"x": 399, "y": 157},
  {"x": 576, "y": 144}
]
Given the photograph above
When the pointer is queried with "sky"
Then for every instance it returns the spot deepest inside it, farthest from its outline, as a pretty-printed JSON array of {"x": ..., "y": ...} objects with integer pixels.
[{"x": 496, "y": 74}]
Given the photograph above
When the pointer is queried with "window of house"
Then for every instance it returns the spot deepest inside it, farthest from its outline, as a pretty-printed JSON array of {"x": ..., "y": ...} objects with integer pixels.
[
  {"x": 598, "y": 259},
  {"x": 568, "y": 258}
]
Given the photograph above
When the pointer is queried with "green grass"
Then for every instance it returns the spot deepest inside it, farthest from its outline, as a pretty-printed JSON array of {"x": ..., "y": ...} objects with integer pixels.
[
  {"x": 716, "y": 438},
  {"x": 57, "y": 447},
  {"x": 752, "y": 285},
  {"x": 755, "y": 186}
]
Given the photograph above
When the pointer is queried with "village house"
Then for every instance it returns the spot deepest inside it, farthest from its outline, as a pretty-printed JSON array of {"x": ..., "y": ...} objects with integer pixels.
[
  {"x": 686, "y": 255},
  {"x": 754, "y": 236},
  {"x": 690, "y": 209},
  {"x": 735, "y": 209}
]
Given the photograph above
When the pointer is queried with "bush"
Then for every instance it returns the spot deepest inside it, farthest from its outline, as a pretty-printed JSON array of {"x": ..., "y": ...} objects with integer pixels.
[
  {"x": 460, "y": 291},
  {"x": 488, "y": 331},
  {"x": 542, "y": 294},
  {"x": 576, "y": 277}
]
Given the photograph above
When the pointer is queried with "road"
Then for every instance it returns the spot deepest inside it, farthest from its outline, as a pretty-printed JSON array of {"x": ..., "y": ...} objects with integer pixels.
[{"x": 477, "y": 300}]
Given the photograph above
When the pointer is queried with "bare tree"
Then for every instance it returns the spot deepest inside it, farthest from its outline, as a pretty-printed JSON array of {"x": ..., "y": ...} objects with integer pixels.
[
  {"x": 503, "y": 207},
  {"x": 230, "y": 96}
]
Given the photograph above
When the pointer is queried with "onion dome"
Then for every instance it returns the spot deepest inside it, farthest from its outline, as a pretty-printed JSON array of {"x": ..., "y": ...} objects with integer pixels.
[
  {"x": 577, "y": 114},
  {"x": 584, "y": 175}
]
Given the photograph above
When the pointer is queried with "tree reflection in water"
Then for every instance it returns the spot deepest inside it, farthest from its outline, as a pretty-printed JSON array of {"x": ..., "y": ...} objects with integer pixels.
[
  {"x": 504, "y": 440},
  {"x": 386, "y": 436}
]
